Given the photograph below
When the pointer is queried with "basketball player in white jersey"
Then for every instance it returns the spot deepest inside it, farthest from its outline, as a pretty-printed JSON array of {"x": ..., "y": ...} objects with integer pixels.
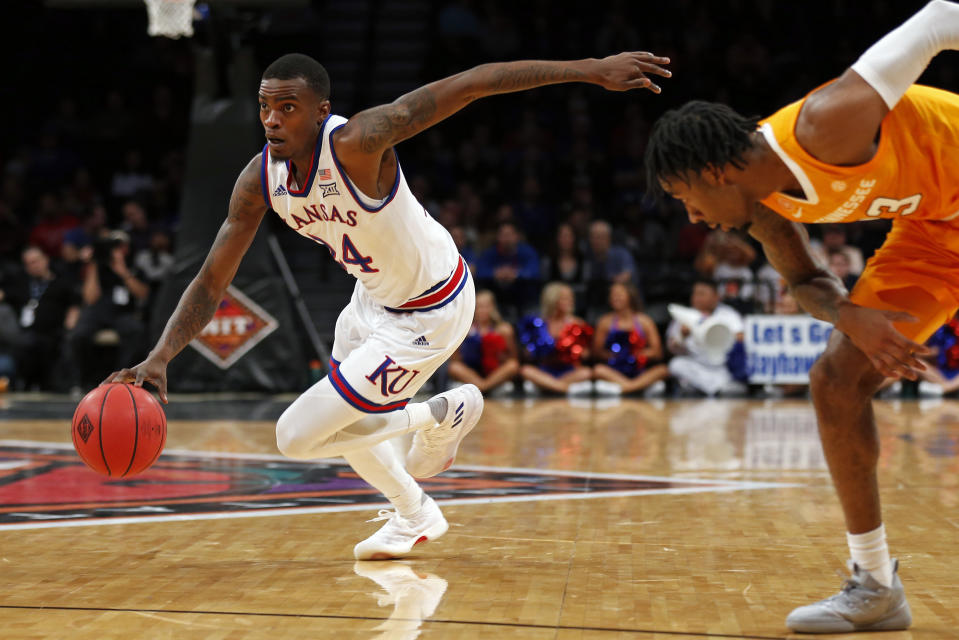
[{"x": 338, "y": 182}]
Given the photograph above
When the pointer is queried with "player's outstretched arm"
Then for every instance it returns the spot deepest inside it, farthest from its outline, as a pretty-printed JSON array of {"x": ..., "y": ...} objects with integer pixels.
[
  {"x": 374, "y": 130},
  {"x": 839, "y": 122},
  {"x": 201, "y": 297},
  {"x": 822, "y": 295}
]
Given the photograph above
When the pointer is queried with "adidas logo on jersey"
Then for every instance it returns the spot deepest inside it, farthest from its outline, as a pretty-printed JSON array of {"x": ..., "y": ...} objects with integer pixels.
[
  {"x": 280, "y": 191},
  {"x": 421, "y": 342}
]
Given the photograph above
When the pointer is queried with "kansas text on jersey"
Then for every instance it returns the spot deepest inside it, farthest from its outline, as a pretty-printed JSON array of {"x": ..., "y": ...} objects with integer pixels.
[{"x": 404, "y": 258}]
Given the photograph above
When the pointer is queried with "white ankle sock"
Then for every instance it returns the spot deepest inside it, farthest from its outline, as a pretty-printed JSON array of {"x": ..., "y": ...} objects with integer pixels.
[
  {"x": 410, "y": 502},
  {"x": 382, "y": 467},
  {"x": 420, "y": 414},
  {"x": 870, "y": 551}
]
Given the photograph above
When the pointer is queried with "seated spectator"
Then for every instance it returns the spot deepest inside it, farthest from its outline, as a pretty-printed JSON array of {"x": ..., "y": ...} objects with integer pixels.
[
  {"x": 695, "y": 367},
  {"x": 487, "y": 357},
  {"x": 556, "y": 344},
  {"x": 725, "y": 258},
  {"x": 52, "y": 224},
  {"x": 78, "y": 241},
  {"x": 510, "y": 269},
  {"x": 628, "y": 343},
  {"x": 136, "y": 224},
  {"x": 786, "y": 304},
  {"x": 606, "y": 263},
  {"x": 49, "y": 307},
  {"x": 565, "y": 263},
  {"x": 840, "y": 266},
  {"x": 462, "y": 237},
  {"x": 155, "y": 263},
  {"x": 834, "y": 238},
  {"x": 131, "y": 179},
  {"x": 769, "y": 288},
  {"x": 112, "y": 294}
]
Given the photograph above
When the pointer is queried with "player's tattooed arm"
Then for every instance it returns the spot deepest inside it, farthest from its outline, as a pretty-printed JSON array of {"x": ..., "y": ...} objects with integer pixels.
[
  {"x": 786, "y": 244},
  {"x": 376, "y": 129},
  {"x": 201, "y": 297},
  {"x": 199, "y": 302}
]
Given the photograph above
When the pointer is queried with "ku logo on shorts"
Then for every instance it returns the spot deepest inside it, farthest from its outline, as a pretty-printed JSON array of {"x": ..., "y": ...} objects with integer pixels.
[{"x": 391, "y": 377}]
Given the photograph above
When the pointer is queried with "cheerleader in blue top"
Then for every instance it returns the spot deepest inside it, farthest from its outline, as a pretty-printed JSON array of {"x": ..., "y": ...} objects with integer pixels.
[
  {"x": 556, "y": 344},
  {"x": 487, "y": 357},
  {"x": 628, "y": 344},
  {"x": 942, "y": 374}
]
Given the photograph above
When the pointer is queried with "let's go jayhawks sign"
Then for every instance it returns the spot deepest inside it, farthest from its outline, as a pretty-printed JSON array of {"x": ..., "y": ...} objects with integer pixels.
[{"x": 782, "y": 349}]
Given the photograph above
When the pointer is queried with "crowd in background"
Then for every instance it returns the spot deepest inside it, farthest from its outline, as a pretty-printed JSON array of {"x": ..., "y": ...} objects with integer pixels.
[{"x": 544, "y": 192}]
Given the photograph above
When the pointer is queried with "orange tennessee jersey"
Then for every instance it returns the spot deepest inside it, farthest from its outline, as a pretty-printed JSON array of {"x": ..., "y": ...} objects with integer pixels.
[{"x": 914, "y": 173}]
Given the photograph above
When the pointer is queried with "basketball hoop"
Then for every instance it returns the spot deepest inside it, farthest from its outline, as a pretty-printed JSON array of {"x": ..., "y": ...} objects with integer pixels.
[{"x": 170, "y": 18}]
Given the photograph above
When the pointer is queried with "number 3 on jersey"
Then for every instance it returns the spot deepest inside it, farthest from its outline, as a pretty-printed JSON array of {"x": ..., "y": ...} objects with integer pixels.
[
  {"x": 351, "y": 255},
  {"x": 902, "y": 207}
]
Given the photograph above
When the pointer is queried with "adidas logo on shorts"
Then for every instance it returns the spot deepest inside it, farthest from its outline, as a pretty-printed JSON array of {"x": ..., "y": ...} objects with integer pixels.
[{"x": 421, "y": 342}]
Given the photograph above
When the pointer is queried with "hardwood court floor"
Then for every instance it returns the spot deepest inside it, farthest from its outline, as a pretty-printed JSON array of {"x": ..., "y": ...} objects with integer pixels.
[{"x": 682, "y": 560}]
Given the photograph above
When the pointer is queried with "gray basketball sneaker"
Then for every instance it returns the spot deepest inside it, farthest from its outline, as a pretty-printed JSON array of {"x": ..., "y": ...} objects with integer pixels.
[{"x": 863, "y": 604}]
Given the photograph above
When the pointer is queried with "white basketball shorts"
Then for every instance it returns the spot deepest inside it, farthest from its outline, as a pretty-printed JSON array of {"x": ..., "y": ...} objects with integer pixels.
[{"x": 382, "y": 357}]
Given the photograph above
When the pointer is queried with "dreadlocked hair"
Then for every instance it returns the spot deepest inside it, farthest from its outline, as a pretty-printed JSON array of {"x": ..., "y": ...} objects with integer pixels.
[{"x": 697, "y": 135}]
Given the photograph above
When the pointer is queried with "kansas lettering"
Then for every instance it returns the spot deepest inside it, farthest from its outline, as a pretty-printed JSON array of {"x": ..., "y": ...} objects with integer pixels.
[{"x": 314, "y": 213}]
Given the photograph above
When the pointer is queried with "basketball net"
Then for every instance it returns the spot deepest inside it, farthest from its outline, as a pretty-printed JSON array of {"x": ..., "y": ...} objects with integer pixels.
[{"x": 170, "y": 18}]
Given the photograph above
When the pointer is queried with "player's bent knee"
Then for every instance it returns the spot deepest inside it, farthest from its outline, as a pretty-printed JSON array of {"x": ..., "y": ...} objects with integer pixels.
[
  {"x": 289, "y": 440},
  {"x": 843, "y": 371},
  {"x": 821, "y": 375}
]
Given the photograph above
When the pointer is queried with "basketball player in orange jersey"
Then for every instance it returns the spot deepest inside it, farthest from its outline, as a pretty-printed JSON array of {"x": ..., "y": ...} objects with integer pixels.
[
  {"x": 867, "y": 145},
  {"x": 338, "y": 182}
]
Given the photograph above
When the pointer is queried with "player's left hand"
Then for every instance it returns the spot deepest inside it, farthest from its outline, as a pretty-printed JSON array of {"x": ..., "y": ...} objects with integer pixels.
[
  {"x": 893, "y": 354},
  {"x": 152, "y": 370},
  {"x": 625, "y": 71}
]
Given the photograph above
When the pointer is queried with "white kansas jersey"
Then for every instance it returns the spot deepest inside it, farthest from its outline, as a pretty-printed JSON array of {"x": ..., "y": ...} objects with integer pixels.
[{"x": 404, "y": 258}]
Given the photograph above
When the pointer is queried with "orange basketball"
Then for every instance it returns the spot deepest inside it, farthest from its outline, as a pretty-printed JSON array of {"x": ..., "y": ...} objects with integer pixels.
[{"x": 119, "y": 429}]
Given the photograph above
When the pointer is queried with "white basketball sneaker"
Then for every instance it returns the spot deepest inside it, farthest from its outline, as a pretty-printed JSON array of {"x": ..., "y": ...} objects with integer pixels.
[
  {"x": 434, "y": 448},
  {"x": 399, "y": 535}
]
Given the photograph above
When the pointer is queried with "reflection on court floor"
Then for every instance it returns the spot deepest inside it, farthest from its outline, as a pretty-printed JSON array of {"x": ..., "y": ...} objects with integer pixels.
[{"x": 589, "y": 519}]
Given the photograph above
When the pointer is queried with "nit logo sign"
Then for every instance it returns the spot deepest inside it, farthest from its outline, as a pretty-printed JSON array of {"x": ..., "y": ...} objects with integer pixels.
[{"x": 238, "y": 325}]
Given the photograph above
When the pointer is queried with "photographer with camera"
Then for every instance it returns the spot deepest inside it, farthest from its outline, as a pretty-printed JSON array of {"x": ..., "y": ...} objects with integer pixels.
[
  {"x": 113, "y": 294},
  {"x": 48, "y": 307}
]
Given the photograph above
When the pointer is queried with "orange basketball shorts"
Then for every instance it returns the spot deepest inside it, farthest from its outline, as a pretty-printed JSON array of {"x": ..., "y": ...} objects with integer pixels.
[{"x": 915, "y": 270}]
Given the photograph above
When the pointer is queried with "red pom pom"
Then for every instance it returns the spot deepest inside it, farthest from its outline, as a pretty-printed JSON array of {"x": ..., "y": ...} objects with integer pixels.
[
  {"x": 573, "y": 341},
  {"x": 952, "y": 357},
  {"x": 493, "y": 347}
]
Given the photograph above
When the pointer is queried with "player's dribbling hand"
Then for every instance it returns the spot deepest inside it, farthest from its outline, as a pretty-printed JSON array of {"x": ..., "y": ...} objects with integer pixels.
[
  {"x": 628, "y": 70},
  {"x": 893, "y": 354},
  {"x": 150, "y": 370}
]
